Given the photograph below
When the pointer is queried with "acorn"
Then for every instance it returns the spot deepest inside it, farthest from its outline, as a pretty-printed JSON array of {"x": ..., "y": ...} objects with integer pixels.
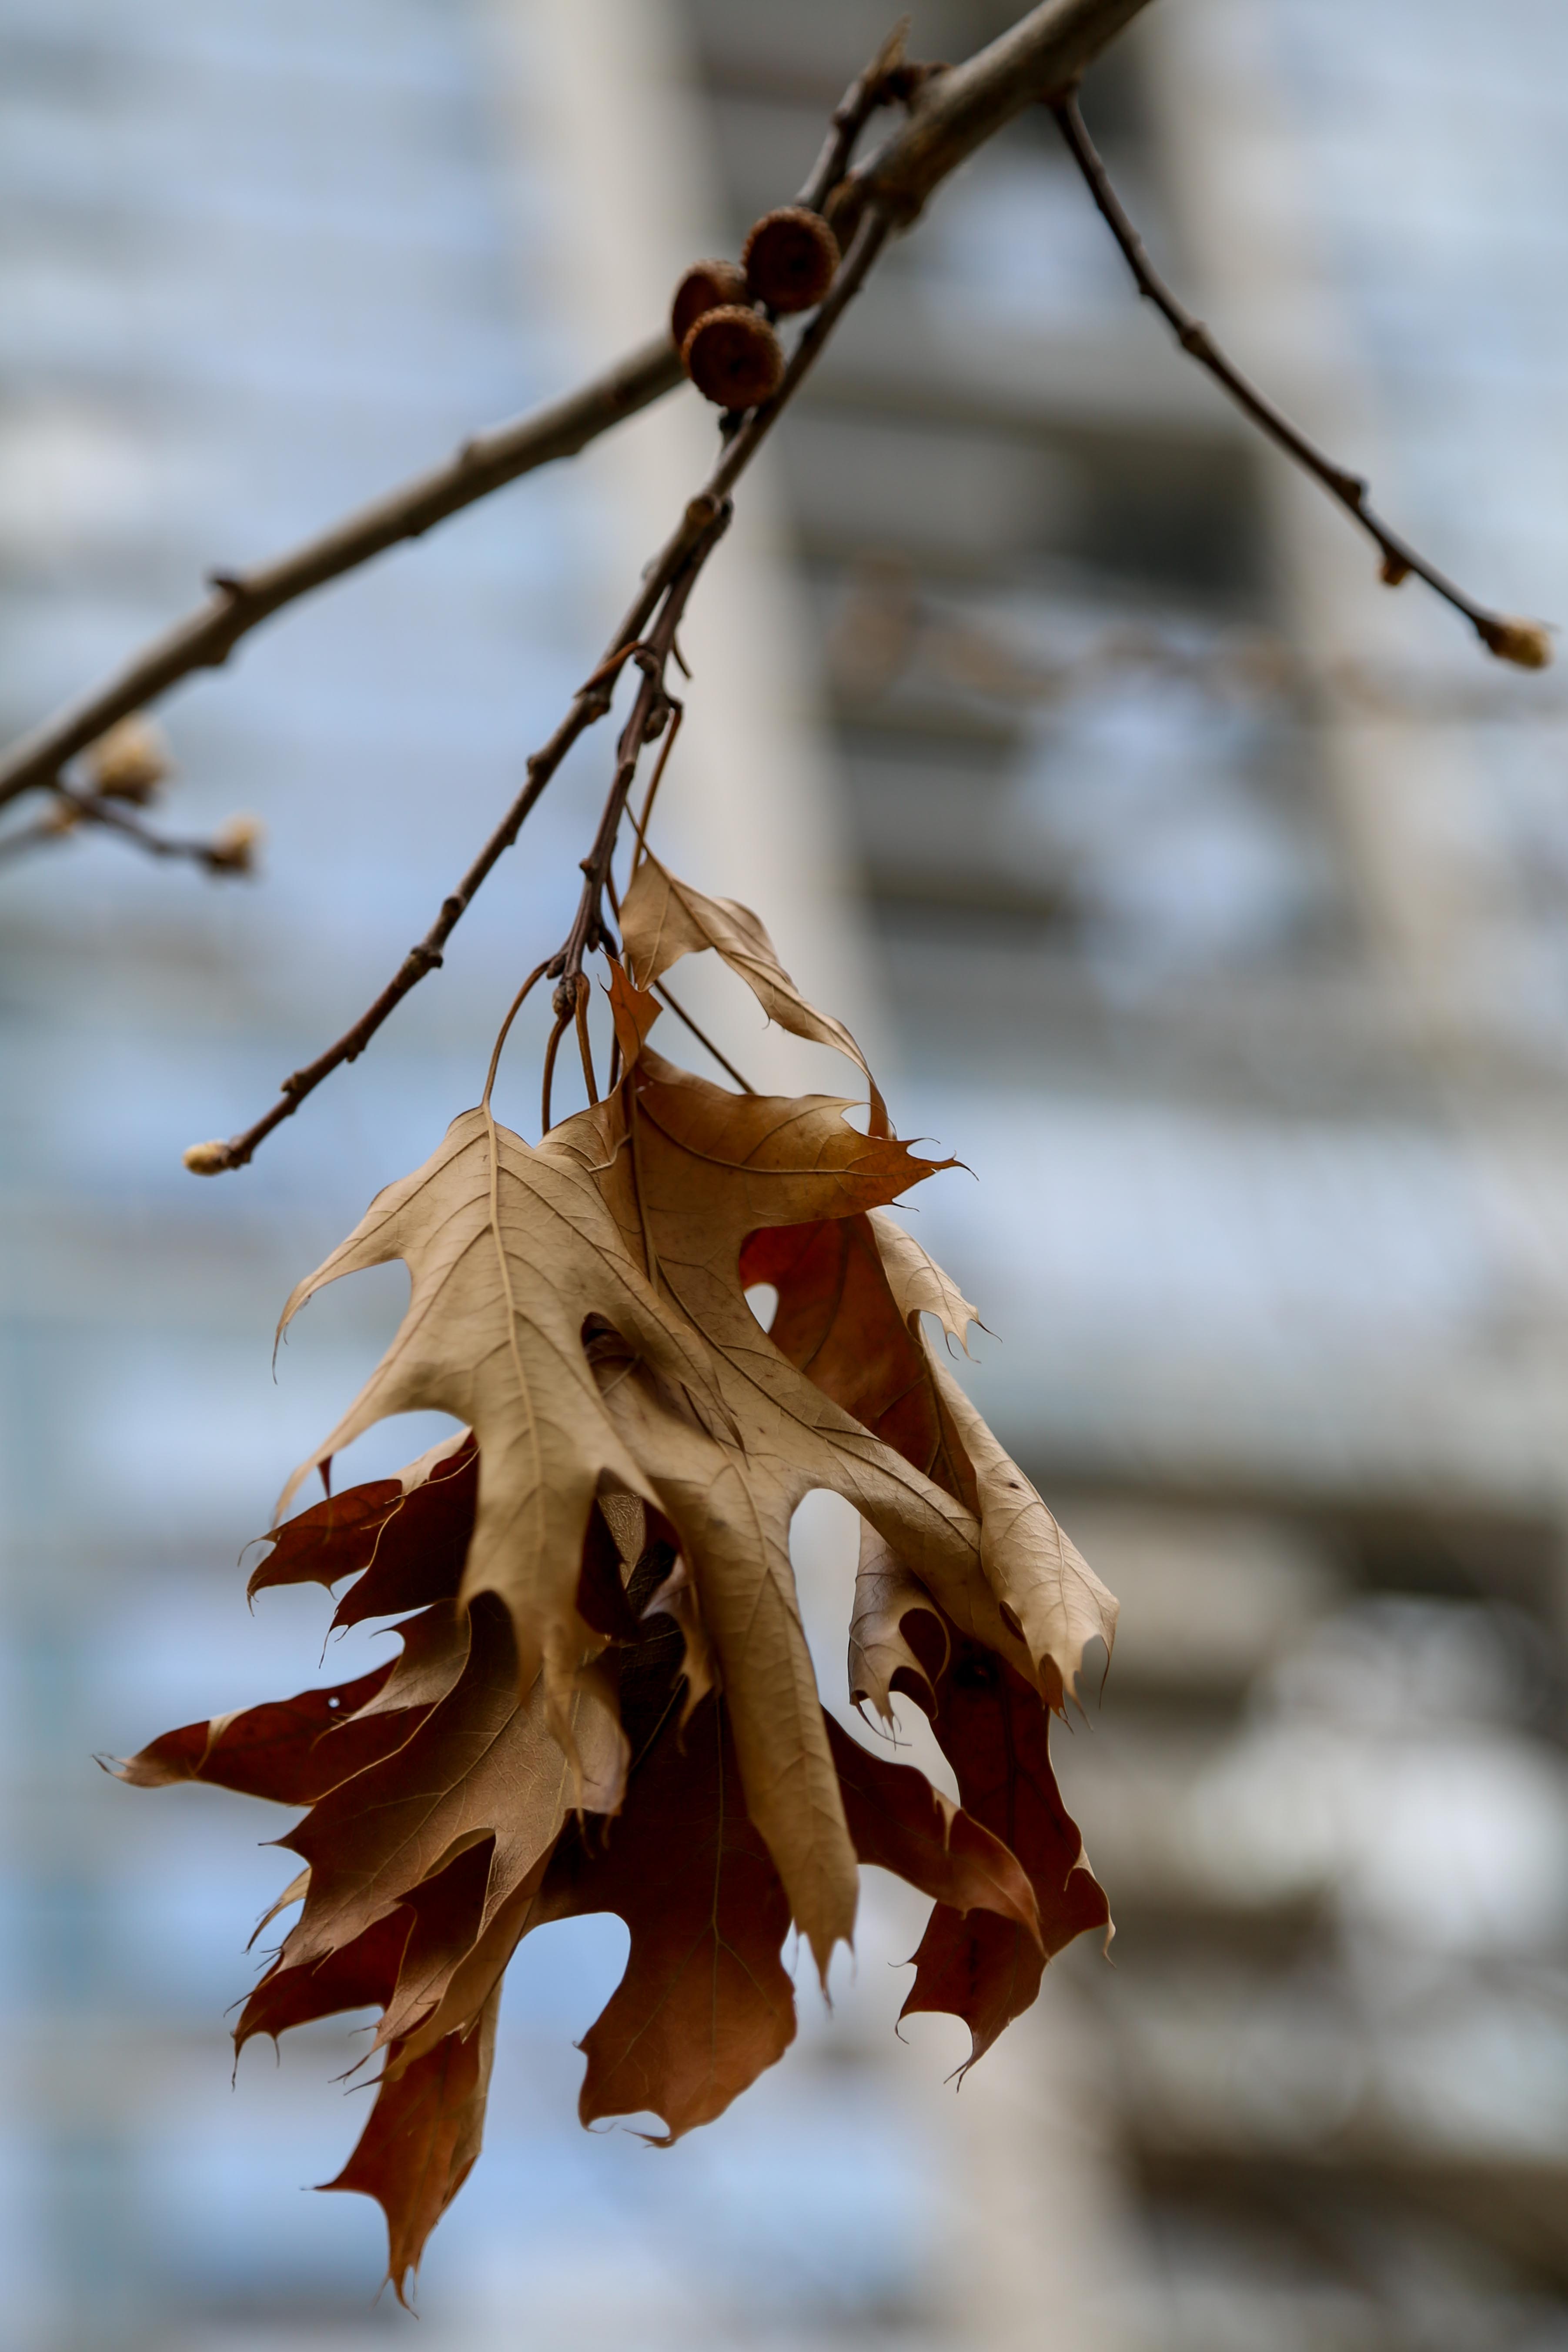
[
  {"x": 733, "y": 358},
  {"x": 707, "y": 286},
  {"x": 789, "y": 259}
]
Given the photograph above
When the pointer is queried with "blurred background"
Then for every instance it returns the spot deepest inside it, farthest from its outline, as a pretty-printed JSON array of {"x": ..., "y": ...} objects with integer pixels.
[{"x": 1210, "y": 901}]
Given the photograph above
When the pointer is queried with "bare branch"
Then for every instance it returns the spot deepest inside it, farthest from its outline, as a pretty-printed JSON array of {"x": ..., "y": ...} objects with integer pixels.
[
  {"x": 1523, "y": 642},
  {"x": 590, "y": 703},
  {"x": 885, "y": 78},
  {"x": 205, "y": 638},
  {"x": 230, "y": 850},
  {"x": 958, "y": 109}
]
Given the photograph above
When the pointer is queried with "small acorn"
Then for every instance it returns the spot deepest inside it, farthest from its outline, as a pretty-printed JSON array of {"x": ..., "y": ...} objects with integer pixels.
[
  {"x": 789, "y": 259},
  {"x": 733, "y": 358},
  {"x": 707, "y": 286}
]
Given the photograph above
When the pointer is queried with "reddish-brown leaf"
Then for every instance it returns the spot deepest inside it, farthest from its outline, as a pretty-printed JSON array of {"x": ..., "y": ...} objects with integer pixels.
[
  {"x": 448, "y": 1914},
  {"x": 901, "y": 1823},
  {"x": 997, "y": 1735},
  {"x": 482, "y": 1764},
  {"x": 418, "y": 2148},
  {"x": 705, "y": 2003},
  {"x": 361, "y": 1975},
  {"x": 838, "y": 1321},
  {"x": 291, "y": 1750},
  {"x": 405, "y": 1540}
]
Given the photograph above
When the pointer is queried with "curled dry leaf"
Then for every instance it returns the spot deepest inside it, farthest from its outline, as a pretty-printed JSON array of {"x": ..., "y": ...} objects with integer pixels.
[
  {"x": 882, "y": 1659},
  {"x": 604, "y": 1699},
  {"x": 663, "y": 918}
]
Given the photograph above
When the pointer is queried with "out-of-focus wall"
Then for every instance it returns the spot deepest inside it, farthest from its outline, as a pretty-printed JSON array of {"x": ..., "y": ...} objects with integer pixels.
[
  {"x": 1202, "y": 896},
  {"x": 262, "y": 267},
  {"x": 1217, "y": 895}
]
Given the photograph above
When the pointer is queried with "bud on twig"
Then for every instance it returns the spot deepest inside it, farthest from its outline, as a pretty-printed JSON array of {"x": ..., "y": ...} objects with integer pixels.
[
  {"x": 130, "y": 761},
  {"x": 231, "y": 849},
  {"x": 733, "y": 357},
  {"x": 790, "y": 257},
  {"x": 206, "y": 1158},
  {"x": 1526, "y": 643}
]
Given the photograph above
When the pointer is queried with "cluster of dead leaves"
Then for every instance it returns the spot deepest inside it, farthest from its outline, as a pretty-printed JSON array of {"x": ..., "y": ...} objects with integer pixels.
[{"x": 604, "y": 1699}]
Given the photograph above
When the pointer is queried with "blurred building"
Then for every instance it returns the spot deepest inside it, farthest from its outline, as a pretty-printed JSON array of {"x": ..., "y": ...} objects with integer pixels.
[{"x": 1206, "y": 897}]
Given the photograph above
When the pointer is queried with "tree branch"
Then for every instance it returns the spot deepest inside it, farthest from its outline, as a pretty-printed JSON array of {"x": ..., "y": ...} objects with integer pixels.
[
  {"x": 959, "y": 107},
  {"x": 669, "y": 583},
  {"x": 230, "y": 850},
  {"x": 1523, "y": 642},
  {"x": 958, "y": 110},
  {"x": 205, "y": 638}
]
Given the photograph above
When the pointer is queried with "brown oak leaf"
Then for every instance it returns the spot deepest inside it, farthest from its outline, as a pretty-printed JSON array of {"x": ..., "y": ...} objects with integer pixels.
[
  {"x": 663, "y": 919},
  {"x": 605, "y": 1700},
  {"x": 424, "y": 2131}
]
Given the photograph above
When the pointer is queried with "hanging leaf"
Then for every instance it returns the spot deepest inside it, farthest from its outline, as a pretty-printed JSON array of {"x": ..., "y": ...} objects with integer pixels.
[
  {"x": 604, "y": 1700},
  {"x": 663, "y": 919}
]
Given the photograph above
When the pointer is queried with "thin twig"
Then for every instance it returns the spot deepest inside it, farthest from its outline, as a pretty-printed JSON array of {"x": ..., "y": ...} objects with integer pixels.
[
  {"x": 216, "y": 856},
  {"x": 583, "y": 1047},
  {"x": 1524, "y": 642},
  {"x": 958, "y": 110},
  {"x": 240, "y": 601},
  {"x": 591, "y": 702},
  {"x": 640, "y": 823},
  {"x": 649, "y": 716},
  {"x": 550, "y": 1050},
  {"x": 666, "y": 588},
  {"x": 1043, "y": 51},
  {"x": 885, "y": 78},
  {"x": 651, "y": 710},
  {"x": 518, "y": 1002}
]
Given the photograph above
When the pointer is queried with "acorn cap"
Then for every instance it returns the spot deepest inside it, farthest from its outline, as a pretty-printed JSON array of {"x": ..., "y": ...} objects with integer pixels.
[
  {"x": 707, "y": 286},
  {"x": 790, "y": 257},
  {"x": 733, "y": 358}
]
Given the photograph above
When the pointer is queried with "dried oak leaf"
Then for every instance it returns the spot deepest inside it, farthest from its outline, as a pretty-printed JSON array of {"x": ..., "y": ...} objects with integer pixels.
[
  {"x": 689, "y": 1171},
  {"x": 605, "y": 1701},
  {"x": 422, "y": 2140},
  {"x": 1048, "y": 1592},
  {"x": 663, "y": 919},
  {"x": 404, "y": 1539},
  {"x": 514, "y": 1252},
  {"x": 292, "y": 1748},
  {"x": 849, "y": 1302},
  {"x": 705, "y": 2004},
  {"x": 482, "y": 1766},
  {"x": 994, "y": 1733}
]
